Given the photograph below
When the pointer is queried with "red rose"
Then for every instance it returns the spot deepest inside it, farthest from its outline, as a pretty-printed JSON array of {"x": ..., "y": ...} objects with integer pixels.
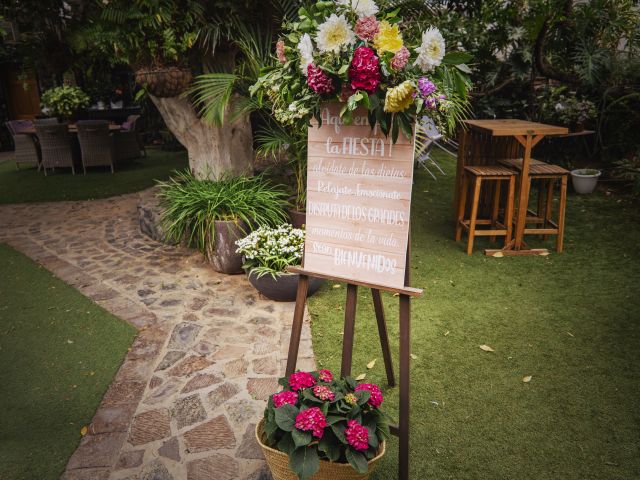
[{"x": 364, "y": 72}]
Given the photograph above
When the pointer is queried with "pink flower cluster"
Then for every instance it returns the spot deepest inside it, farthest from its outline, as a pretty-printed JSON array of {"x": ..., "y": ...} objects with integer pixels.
[
  {"x": 357, "y": 435},
  {"x": 323, "y": 393},
  {"x": 375, "y": 400},
  {"x": 300, "y": 380},
  {"x": 283, "y": 398},
  {"x": 364, "y": 72},
  {"x": 367, "y": 28},
  {"x": 319, "y": 81},
  {"x": 325, "y": 376},
  {"x": 312, "y": 419},
  {"x": 400, "y": 59},
  {"x": 282, "y": 58}
]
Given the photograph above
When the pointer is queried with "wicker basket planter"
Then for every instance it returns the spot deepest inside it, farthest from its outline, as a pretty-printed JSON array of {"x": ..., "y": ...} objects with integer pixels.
[
  {"x": 279, "y": 464},
  {"x": 164, "y": 82}
]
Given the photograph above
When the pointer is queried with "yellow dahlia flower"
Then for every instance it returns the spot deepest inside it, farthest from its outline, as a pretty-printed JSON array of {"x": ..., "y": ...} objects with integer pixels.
[
  {"x": 399, "y": 98},
  {"x": 388, "y": 38}
]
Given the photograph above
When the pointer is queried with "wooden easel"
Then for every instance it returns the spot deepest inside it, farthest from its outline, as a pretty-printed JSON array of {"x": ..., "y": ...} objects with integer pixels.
[{"x": 402, "y": 429}]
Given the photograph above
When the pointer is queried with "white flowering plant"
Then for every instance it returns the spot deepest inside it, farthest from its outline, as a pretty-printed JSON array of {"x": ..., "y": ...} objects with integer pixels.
[
  {"x": 269, "y": 250},
  {"x": 358, "y": 53}
]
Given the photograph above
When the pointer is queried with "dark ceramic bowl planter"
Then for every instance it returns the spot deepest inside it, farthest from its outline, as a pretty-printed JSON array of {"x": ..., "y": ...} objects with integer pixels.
[
  {"x": 298, "y": 218},
  {"x": 284, "y": 287},
  {"x": 222, "y": 256}
]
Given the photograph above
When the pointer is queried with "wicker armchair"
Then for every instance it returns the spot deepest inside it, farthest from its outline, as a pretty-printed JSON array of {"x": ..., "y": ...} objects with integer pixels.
[
  {"x": 55, "y": 144},
  {"x": 46, "y": 121},
  {"x": 128, "y": 141},
  {"x": 96, "y": 144},
  {"x": 26, "y": 148}
]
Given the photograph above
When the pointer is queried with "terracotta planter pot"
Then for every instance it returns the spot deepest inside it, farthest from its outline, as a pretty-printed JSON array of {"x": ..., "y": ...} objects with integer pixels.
[
  {"x": 284, "y": 287},
  {"x": 279, "y": 464},
  {"x": 164, "y": 82},
  {"x": 223, "y": 257},
  {"x": 298, "y": 218}
]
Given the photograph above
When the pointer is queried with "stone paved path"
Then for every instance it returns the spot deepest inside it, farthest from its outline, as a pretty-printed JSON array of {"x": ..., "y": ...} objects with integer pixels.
[{"x": 209, "y": 350}]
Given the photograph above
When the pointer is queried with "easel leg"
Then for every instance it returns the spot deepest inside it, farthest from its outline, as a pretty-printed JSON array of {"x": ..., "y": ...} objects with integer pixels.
[
  {"x": 405, "y": 358},
  {"x": 349, "y": 329},
  {"x": 384, "y": 336},
  {"x": 296, "y": 327}
]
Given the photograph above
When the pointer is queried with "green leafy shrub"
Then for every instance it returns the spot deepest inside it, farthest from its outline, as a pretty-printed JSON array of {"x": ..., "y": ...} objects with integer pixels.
[
  {"x": 191, "y": 206},
  {"x": 64, "y": 101}
]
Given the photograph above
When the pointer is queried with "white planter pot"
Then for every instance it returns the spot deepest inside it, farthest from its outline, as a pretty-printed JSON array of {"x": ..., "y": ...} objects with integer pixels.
[
  {"x": 584, "y": 180},
  {"x": 117, "y": 105}
]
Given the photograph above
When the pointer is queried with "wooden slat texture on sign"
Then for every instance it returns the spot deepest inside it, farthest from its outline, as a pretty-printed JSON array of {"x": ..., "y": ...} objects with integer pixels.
[{"x": 358, "y": 201}]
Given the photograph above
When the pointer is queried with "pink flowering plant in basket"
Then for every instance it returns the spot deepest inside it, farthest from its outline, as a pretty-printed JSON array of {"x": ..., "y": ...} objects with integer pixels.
[{"x": 318, "y": 417}]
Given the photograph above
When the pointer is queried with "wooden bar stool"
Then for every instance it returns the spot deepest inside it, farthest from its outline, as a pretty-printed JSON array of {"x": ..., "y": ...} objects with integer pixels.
[
  {"x": 547, "y": 175},
  {"x": 477, "y": 175}
]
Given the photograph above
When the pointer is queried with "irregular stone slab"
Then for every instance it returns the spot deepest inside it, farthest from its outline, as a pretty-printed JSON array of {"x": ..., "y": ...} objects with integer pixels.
[
  {"x": 113, "y": 418},
  {"x": 156, "y": 471},
  {"x": 263, "y": 473},
  {"x": 170, "y": 449},
  {"x": 169, "y": 359},
  {"x": 97, "y": 451},
  {"x": 242, "y": 411},
  {"x": 86, "y": 474},
  {"x": 218, "y": 467},
  {"x": 130, "y": 459},
  {"x": 160, "y": 394},
  {"x": 184, "y": 335},
  {"x": 262, "y": 388},
  {"x": 205, "y": 348},
  {"x": 201, "y": 380},
  {"x": 221, "y": 394},
  {"x": 212, "y": 435},
  {"x": 249, "y": 447},
  {"x": 197, "y": 303},
  {"x": 150, "y": 426},
  {"x": 189, "y": 410},
  {"x": 124, "y": 392},
  {"x": 222, "y": 312},
  {"x": 155, "y": 382},
  {"x": 235, "y": 368},
  {"x": 265, "y": 366},
  {"x": 230, "y": 352},
  {"x": 190, "y": 365}
]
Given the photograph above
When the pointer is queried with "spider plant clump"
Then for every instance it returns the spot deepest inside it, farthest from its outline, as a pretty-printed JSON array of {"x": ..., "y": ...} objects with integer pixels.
[{"x": 191, "y": 207}]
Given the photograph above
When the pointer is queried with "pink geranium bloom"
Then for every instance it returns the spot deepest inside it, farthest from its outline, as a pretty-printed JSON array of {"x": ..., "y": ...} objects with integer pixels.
[
  {"x": 313, "y": 420},
  {"x": 323, "y": 393},
  {"x": 319, "y": 81},
  {"x": 357, "y": 435},
  {"x": 325, "y": 376},
  {"x": 300, "y": 380},
  {"x": 283, "y": 398},
  {"x": 375, "y": 400}
]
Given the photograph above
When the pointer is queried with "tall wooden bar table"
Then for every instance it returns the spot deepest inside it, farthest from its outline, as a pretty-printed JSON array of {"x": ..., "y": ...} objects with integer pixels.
[{"x": 527, "y": 134}]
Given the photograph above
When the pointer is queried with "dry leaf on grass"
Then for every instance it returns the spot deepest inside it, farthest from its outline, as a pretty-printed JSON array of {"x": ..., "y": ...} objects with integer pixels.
[
  {"x": 526, "y": 379},
  {"x": 414, "y": 356},
  {"x": 337, "y": 285},
  {"x": 84, "y": 430},
  {"x": 486, "y": 348},
  {"x": 446, "y": 333},
  {"x": 371, "y": 364},
  {"x": 498, "y": 255},
  {"x": 361, "y": 376}
]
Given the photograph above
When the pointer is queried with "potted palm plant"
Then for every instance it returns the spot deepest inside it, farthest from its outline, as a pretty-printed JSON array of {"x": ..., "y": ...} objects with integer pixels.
[
  {"x": 322, "y": 428},
  {"x": 267, "y": 253},
  {"x": 213, "y": 215}
]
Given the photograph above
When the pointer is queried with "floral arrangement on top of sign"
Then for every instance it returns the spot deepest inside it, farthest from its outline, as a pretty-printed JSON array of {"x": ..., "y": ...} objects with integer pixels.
[
  {"x": 318, "y": 417},
  {"x": 351, "y": 51}
]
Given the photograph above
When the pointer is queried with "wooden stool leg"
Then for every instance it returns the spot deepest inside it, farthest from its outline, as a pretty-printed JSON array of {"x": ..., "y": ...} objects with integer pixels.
[
  {"x": 349, "y": 329},
  {"x": 474, "y": 214},
  {"x": 509, "y": 210},
  {"x": 548, "y": 214},
  {"x": 561, "y": 213},
  {"x": 462, "y": 205},
  {"x": 541, "y": 210},
  {"x": 496, "y": 208}
]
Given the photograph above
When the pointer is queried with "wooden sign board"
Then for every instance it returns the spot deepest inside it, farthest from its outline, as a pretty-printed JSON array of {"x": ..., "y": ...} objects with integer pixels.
[{"x": 358, "y": 200}]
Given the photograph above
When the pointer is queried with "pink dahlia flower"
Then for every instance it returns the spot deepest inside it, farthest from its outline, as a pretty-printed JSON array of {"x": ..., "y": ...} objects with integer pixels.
[
  {"x": 313, "y": 420},
  {"x": 282, "y": 58},
  {"x": 323, "y": 393},
  {"x": 400, "y": 59},
  {"x": 357, "y": 435},
  {"x": 325, "y": 376},
  {"x": 364, "y": 72},
  {"x": 319, "y": 81},
  {"x": 300, "y": 380},
  {"x": 367, "y": 28},
  {"x": 283, "y": 398},
  {"x": 375, "y": 400}
]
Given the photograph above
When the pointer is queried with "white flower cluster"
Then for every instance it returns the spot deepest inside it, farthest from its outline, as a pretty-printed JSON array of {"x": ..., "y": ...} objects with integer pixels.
[
  {"x": 431, "y": 51},
  {"x": 274, "y": 248}
]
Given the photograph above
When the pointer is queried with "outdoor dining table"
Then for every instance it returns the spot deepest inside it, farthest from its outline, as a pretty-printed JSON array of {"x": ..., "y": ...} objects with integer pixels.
[
  {"x": 72, "y": 129},
  {"x": 484, "y": 142}
]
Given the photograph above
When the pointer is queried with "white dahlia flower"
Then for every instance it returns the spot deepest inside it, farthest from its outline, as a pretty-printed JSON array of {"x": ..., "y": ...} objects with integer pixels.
[
  {"x": 363, "y": 8},
  {"x": 305, "y": 47},
  {"x": 431, "y": 52},
  {"x": 334, "y": 33}
]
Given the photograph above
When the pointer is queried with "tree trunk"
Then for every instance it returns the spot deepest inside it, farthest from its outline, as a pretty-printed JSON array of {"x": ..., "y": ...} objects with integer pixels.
[{"x": 213, "y": 151}]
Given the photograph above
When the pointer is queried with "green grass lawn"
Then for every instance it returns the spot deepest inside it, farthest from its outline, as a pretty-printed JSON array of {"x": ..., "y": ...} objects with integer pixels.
[
  {"x": 29, "y": 185},
  {"x": 59, "y": 352},
  {"x": 571, "y": 321}
]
